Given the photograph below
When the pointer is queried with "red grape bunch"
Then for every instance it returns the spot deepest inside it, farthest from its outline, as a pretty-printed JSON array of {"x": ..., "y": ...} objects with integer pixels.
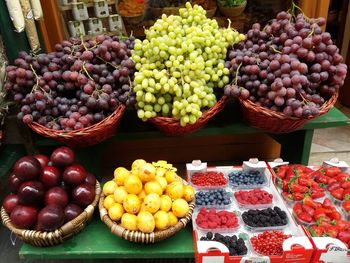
[
  {"x": 289, "y": 66},
  {"x": 78, "y": 85}
]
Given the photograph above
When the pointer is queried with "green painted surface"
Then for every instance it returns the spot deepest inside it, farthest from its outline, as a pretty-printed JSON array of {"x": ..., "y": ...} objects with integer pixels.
[{"x": 96, "y": 241}]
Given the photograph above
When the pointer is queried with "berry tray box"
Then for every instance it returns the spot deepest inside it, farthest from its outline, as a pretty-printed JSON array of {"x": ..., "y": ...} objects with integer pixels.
[
  {"x": 211, "y": 169},
  {"x": 263, "y": 174},
  {"x": 211, "y": 251},
  {"x": 216, "y": 206},
  {"x": 255, "y": 206}
]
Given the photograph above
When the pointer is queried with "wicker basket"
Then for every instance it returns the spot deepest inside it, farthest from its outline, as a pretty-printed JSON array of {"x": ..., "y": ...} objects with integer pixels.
[
  {"x": 137, "y": 236},
  {"x": 232, "y": 12},
  {"x": 211, "y": 12},
  {"x": 45, "y": 239},
  {"x": 276, "y": 122},
  {"x": 171, "y": 126},
  {"x": 88, "y": 136}
]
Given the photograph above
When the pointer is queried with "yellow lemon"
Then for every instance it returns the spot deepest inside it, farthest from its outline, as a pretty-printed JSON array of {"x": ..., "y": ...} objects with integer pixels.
[
  {"x": 180, "y": 207},
  {"x": 175, "y": 190},
  {"x": 132, "y": 204},
  {"x": 162, "y": 220},
  {"x": 145, "y": 222},
  {"x": 120, "y": 194},
  {"x": 116, "y": 211},
  {"x": 162, "y": 181},
  {"x": 165, "y": 203},
  {"x": 160, "y": 171},
  {"x": 142, "y": 194},
  {"x": 143, "y": 207},
  {"x": 146, "y": 172},
  {"x": 129, "y": 222},
  {"x": 172, "y": 219},
  {"x": 189, "y": 193},
  {"x": 108, "y": 201},
  {"x": 170, "y": 176},
  {"x": 153, "y": 187},
  {"x": 120, "y": 174},
  {"x": 137, "y": 164},
  {"x": 109, "y": 188},
  {"x": 133, "y": 184},
  {"x": 152, "y": 203}
]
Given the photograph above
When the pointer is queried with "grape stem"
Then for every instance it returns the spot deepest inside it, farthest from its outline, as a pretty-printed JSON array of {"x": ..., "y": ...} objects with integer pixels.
[
  {"x": 311, "y": 32},
  {"x": 237, "y": 71},
  {"x": 292, "y": 11},
  {"x": 86, "y": 71},
  {"x": 305, "y": 101},
  {"x": 277, "y": 51},
  {"x": 109, "y": 63},
  {"x": 37, "y": 80}
]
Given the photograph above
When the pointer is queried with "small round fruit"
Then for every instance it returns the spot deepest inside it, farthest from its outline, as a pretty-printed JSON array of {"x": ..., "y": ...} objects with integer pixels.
[
  {"x": 108, "y": 201},
  {"x": 31, "y": 193},
  {"x": 153, "y": 187},
  {"x": 129, "y": 222},
  {"x": 145, "y": 222},
  {"x": 10, "y": 202},
  {"x": 90, "y": 179},
  {"x": 120, "y": 194},
  {"x": 180, "y": 207},
  {"x": 51, "y": 217},
  {"x": 120, "y": 174},
  {"x": 137, "y": 164},
  {"x": 132, "y": 204},
  {"x": 62, "y": 156},
  {"x": 109, "y": 188},
  {"x": 14, "y": 183},
  {"x": 24, "y": 217},
  {"x": 152, "y": 203},
  {"x": 171, "y": 176},
  {"x": 133, "y": 184},
  {"x": 162, "y": 220},
  {"x": 146, "y": 172},
  {"x": 162, "y": 181},
  {"x": 43, "y": 160},
  {"x": 74, "y": 174},
  {"x": 175, "y": 190},
  {"x": 71, "y": 211},
  {"x": 189, "y": 193},
  {"x": 50, "y": 176},
  {"x": 160, "y": 172},
  {"x": 172, "y": 219},
  {"x": 142, "y": 195},
  {"x": 83, "y": 194},
  {"x": 165, "y": 203},
  {"x": 56, "y": 196},
  {"x": 115, "y": 212},
  {"x": 27, "y": 168}
]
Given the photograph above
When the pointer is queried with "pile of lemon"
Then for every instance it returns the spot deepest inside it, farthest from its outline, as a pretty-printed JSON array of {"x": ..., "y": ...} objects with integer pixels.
[{"x": 150, "y": 196}]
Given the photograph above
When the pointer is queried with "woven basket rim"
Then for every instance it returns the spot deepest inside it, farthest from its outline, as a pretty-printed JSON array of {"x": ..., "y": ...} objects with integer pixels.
[
  {"x": 251, "y": 106},
  {"x": 66, "y": 230},
  {"x": 118, "y": 230},
  {"x": 69, "y": 134}
]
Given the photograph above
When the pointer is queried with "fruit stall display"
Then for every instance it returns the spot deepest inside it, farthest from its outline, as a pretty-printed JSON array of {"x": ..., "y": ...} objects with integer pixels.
[
  {"x": 148, "y": 203},
  {"x": 240, "y": 213},
  {"x": 323, "y": 211},
  {"x": 47, "y": 193}
]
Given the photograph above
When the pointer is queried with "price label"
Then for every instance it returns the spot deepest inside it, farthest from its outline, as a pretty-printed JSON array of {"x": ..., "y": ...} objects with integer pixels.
[
  {"x": 255, "y": 260},
  {"x": 213, "y": 259},
  {"x": 335, "y": 254}
]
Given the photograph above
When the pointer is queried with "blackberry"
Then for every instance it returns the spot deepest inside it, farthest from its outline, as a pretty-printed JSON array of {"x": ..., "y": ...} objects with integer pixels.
[{"x": 265, "y": 217}]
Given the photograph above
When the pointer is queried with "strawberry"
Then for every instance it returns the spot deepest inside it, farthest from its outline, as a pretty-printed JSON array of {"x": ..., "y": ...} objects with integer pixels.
[
  {"x": 335, "y": 215},
  {"x": 287, "y": 196},
  {"x": 346, "y": 205},
  {"x": 285, "y": 185},
  {"x": 297, "y": 188},
  {"x": 308, "y": 210},
  {"x": 297, "y": 196},
  {"x": 305, "y": 217},
  {"x": 311, "y": 203},
  {"x": 319, "y": 213},
  {"x": 305, "y": 181},
  {"x": 327, "y": 203},
  {"x": 317, "y": 192},
  {"x": 342, "y": 225},
  {"x": 332, "y": 171},
  {"x": 338, "y": 193},
  {"x": 281, "y": 171},
  {"x": 333, "y": 186},
  {"x": 324, "y": 222},
  {"x": 346, "y": 185},
  {"x": 344, "y": 236},
  {"x": 346, "y": 193},
  {"x": 331, "y": 231},
  {"x": 297, "y": 209},
  {"x": 316, "y": 231},
  {"x": 322, "y": 179},
  {"x": 342, "y": 177}
]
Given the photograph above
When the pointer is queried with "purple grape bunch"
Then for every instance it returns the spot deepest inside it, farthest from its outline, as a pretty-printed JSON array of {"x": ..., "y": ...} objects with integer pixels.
[
  {"x": 79, "y": 84},
  {"x": 290, "y": 66}
]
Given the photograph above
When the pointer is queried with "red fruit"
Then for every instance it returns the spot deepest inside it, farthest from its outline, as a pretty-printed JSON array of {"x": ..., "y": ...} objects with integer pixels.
[
  {"x": 316, "y": 231},
  {"x": 23, "y": 217},
  {"x": 281, "y": 171},
  {"x": 297, "y": 196},
  {"x": 332, "y": 171},
  {"x": 305, "y": 181},
  {"x": 311, "y": 203},
  {"x": 322, "y": 179},
  {"x": 51, "y": 217},
  {"x": 319, "y": 213},
  {"x": 342, "y": 177},
  {"x": 14, "y": 183},
  {"x": 31, "y": 193},
  {"x": 335, "y": 215},
  {"x": 62, "y": 156},
  {"x": 90, "y": 179},
  {"x": 10, "y": 202},
  {"x": 344, "y": 236},
  {"x": 71, "y": 211},
  {"x": 27, "y": 168},
  {"x": 317, "y": 193},
  {"x": 56, "y": 196},
  {"x": 50, "y": 176},
  {"x": 331, "y": 231},
  {"x": 346, "y": 205},
  {"x": 297, "y": 209},
  {"x": 83, "y": 194},
  {"x": 308, "y": 210},
  {"x": 334, "y": 185},
  {"x": 297, "y": 188},
  {"x": 43, "y": 160},
  {"x": 338, "y": 193},
  {"x": 346, "y": 185},
  {"x": 305, "y": 217},
  {"x": 74, "y": 174}
]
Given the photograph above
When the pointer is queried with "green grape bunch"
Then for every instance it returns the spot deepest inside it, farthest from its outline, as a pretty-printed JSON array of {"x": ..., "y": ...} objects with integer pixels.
[{"x": 180, "y": 63}]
